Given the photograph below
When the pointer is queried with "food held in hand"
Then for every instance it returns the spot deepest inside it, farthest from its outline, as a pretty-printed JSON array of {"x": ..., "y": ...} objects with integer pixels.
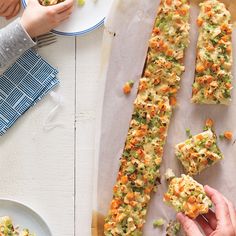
[
  {"x": 188, "y": 196},
  {"x": 199, "y": 152},
  {"x": 213, "y": 78},
  {"x": 50, "y": 2}
]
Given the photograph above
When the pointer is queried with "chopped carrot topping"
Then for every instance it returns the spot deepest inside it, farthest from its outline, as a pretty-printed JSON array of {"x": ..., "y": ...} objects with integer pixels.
[
  {"x": 228, "y": 85},
  {"x": 170, "y": 52},
  {"x": 200, "y": 68},
  {"x": 210, "y": 48},
  {"x": 156, "y": 30},
  {"x": 207, "y": 8},
  {"x": 107, "y": 226},
  {"x": 147, "y": 73},
  {"x": 173, "y": 101},
  {"x": 225, "y": 38},
  {"x": 169, "y": 2},
  {"x": 192, "y": 199},
  {"x": 115, "y": 204},
  {"x": 209, "y": 123},
  {"x": 200, "y": 137},
  {"x": 124, "y": 179},
  {"x": 228, "y": 135},
  {"x": 229, "y": 49},
  {"x": 195, "y": 90},
  {"x": 130, "y": 196},
  {"x": 183, "y": 11},
  {"x": 127, "y": 87},
  {"x": 199, "y": 22}
]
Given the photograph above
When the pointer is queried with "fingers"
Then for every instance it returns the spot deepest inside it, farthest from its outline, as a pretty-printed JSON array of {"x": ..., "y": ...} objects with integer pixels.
[
  {"x": 66, "y": 14},
  {"x": 189, "y": 225},
  {"x": 9, "y": 10},
  {"x": 204, "y": 225},
  {"x": 211, "y": 218},
  {"x": 232, "y": 213},
  {"x": 61, "y": 7},
  {"x": 15, "y": 12},
  {"x": 221, "y": 207},
  {"x": 4, "y": 8}
]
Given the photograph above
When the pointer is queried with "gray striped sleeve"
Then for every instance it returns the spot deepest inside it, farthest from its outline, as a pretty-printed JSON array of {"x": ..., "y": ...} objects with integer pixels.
[{"x": 14, "y": 41}]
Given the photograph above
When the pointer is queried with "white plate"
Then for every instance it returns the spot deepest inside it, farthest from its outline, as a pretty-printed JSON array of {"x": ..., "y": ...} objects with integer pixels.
[
  {"x": 24, "y": 217},
  {"x": 83, "y": 19}
]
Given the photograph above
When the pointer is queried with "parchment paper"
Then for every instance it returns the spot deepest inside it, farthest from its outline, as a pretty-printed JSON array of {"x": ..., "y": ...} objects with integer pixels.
[{"x": 127, "y": 30}]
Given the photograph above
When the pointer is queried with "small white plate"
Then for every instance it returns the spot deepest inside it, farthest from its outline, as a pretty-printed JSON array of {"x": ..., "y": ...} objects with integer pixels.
[
  {"x": 24, "y": 217},
  {"x": 83, "y": 19}
]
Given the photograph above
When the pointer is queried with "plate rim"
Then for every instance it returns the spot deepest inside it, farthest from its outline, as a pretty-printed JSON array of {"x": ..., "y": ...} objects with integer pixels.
[
  {"x": 29, "y": 208},
  {"x": 78, "y": 33}
]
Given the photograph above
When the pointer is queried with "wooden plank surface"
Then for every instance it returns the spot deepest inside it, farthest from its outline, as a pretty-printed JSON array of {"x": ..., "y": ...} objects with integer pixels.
[
  {"x": 88, "y": 55},
  {"x": 52, "y": 170}
]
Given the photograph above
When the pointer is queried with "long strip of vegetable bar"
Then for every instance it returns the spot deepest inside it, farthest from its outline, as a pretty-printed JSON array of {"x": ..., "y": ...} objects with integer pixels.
[
  {"x": 142, "y": 155},
  {"x": 213, "y": 80}
]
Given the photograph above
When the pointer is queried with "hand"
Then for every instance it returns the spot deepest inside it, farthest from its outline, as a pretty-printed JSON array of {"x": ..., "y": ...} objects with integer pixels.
[
  {"x": 222, "y": 222},
  {"x": 9, "y": 8},
  {"x": 38, "y": 19}
]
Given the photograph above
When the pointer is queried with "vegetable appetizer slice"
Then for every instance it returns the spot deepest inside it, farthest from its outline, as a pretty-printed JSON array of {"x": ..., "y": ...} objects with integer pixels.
[
  {"x": 139, "y": 166},
  {"x": 213, "y": 79},
  {"x": 143, "y": 152},
  {"x": 187, "y": 196},
  {"x": 170, "y": 38},
  {"x": 199, "y": 152}
]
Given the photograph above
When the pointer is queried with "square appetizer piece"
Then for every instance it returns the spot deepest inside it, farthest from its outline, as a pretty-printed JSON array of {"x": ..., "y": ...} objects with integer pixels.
[
  {"x": 199, "y": 152},
  {"x": 213, "y": 78},
  {"x": 187, "y": 196}
]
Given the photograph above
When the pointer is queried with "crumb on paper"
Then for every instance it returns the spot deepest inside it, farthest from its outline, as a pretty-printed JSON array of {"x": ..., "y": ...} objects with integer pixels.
[
  {"x": 228, "y": 135},
  {"x": 188, "y": 133},
  {"x": 158, "y": 223},
  {"x": 128, "y": 86},
  {"x": 173, "y": 228},
  {"x": 209, "y": 124},
  {"x": 169, "y": 174}
]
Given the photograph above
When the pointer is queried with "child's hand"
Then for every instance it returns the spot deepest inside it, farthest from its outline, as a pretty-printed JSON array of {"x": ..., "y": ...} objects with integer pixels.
[
  {"x": 9, "y": 8},
  {"x": 38, "y": 19}
]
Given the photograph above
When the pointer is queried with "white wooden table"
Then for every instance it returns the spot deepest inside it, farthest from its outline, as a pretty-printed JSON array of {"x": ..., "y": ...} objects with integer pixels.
[{"x": 51, "y": 171}]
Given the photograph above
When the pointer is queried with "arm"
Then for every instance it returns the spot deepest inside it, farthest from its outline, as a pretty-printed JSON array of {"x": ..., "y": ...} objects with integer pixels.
[
  {"x": 14, "y": 41},
  {"x": 36, "y": 20}
]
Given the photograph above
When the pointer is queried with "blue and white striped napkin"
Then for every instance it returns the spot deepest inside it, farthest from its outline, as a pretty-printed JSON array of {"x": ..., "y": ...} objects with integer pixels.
[{"x": 22, "y": 85}]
